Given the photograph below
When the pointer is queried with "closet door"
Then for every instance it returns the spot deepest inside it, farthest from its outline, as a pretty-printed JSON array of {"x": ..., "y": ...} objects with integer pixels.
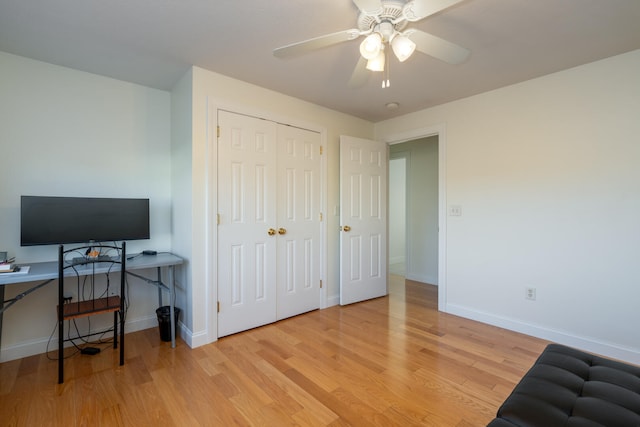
[
  {"x": 269, "y": 222},
  {"x": 298, "y": 207},
  {"x": 247, "y": 151}
]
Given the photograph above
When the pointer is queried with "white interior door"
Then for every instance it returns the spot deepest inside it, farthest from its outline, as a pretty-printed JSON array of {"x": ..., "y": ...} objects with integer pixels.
[
  {"x": 268, "y": 222},
  {"x": 247, "y": 151},
  {"x": 298, "y": 207},
  {"x": 363, "y": 219}
]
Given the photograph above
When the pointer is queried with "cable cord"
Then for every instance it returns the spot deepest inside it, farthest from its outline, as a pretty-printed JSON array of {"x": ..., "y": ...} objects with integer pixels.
[{"x": 86, "y": 291}]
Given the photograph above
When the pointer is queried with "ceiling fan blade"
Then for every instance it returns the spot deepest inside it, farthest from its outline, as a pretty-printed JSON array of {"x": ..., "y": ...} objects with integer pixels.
[
  {"x": 360, "y": 75},
  {"x": 418, "y": 9},
  {"x": 369, "y": 7},
  {"x": 316, "y": 43},
  {"x": 437, "y": 47}
]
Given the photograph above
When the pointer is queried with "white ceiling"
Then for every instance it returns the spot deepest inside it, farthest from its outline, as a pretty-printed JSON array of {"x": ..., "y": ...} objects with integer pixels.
[{"x": 154, "y": 42}]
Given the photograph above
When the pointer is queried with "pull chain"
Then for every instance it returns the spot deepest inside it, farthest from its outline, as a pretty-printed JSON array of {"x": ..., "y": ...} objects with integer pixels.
[{"x": 386, "y": 82}]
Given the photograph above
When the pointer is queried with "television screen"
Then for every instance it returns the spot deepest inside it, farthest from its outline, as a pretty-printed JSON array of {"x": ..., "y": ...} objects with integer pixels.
[{"x": 48, "y": 220}]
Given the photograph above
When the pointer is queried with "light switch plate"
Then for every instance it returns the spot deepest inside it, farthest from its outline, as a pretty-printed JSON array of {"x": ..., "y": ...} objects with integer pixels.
[{"x": 455, "y": 210}]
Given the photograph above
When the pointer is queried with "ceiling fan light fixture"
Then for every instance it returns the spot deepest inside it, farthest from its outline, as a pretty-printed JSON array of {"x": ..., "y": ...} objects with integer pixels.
[
  {"x": 386, "y": 30},
  {"x": 377, "y": 63},
  {"x": 382, "y": 24},
  {"x": 371, "y": 46},
  {"x": 403, "y": 47}
]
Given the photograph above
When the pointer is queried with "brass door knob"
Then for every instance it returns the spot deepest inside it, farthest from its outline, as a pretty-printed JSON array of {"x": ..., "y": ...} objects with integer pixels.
[
  {"x": 271, "y": 232},
  {"x": 282, "y": 231},
  {"x": 346, "y": 228}
]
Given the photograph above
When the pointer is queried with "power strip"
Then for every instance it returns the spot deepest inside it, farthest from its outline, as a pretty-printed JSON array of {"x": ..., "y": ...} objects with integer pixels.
[{"x": 84, "y": 260}]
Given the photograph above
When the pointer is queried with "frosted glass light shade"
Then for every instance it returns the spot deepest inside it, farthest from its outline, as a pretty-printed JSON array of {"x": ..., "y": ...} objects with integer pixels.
[
  {"x": 370, "y": 46},
  {"x": 377, "y": 63},
  {"x": 402, "y": 47}
]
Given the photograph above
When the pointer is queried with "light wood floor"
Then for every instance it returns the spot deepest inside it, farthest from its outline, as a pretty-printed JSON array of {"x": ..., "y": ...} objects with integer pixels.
[{"x": 393, "y": 361}]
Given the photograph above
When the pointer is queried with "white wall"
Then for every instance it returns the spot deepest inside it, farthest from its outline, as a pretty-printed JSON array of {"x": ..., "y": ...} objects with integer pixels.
[
  {"x": 397, "y": 209},
  {"x": 181, "y": 190},
  {"x": 211, "y": 90},
  {"x": 547, "y": 175},
  {"x": 69, "y": 133}
]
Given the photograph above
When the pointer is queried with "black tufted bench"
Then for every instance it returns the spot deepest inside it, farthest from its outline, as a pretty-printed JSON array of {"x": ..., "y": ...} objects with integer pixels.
[{"x": 568, "y": 387}]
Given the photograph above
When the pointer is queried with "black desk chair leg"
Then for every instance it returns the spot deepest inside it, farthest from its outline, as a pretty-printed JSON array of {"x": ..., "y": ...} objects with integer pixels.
[
  {"x": 121, "y": 338},
  {"x": 115, "y": 329}
]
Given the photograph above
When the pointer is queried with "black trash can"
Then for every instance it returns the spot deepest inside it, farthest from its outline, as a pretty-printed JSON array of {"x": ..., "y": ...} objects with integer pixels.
[{"x": 164, "y": 321}]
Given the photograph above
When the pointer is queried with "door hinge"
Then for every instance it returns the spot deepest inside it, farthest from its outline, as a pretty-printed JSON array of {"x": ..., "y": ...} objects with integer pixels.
[
  {"x": 218, "y": 219},
  {"x": 321, "y": 150},
  {"x": 218, "y": 306},
  {"x": 320, "y": 284},
  {"x": 320, "y": 216},
  {"x": 218, "y": 131}
]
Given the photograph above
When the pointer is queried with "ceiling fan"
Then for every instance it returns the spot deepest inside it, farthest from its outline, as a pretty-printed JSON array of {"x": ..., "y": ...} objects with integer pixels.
[{"x": 383, "y": 23}]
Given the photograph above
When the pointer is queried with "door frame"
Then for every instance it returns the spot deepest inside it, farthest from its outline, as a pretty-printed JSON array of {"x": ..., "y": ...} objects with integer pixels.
[
  {"x": 211, "y": 201},
  {"x": 438, "y": 130}
]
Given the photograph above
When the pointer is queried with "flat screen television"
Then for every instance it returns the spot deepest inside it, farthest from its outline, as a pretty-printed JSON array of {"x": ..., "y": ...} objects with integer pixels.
[{"x": 46, "y": 220}]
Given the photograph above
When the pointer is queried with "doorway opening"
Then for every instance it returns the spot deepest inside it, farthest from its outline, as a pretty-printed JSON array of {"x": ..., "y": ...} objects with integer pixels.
[
  {"x": 398, "y": 213},
  {"x": 414, "y": 209}
]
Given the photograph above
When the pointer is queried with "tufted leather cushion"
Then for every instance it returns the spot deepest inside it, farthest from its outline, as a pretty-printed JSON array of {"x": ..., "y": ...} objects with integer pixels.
[{"x": 571, "y": 388}]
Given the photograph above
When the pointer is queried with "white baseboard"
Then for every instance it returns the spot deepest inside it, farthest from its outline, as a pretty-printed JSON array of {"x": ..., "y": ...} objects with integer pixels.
[
  {"x": 333, "y": 300},
  {"x": 194, "y": 340},
  {"x": 39, "y": 346},
  {"x": 422, "y": 278},
  {"x": 397, "y": 260},
  {"x": 561, "y": 337}
]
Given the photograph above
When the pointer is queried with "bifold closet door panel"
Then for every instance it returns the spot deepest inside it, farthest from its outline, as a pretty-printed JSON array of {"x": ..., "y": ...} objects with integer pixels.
[
  {"x": 298, "y": 210},
  {"x": 247, "y": 152}
]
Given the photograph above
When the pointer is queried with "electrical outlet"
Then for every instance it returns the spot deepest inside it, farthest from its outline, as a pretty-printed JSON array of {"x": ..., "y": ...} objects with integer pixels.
[{"x": 530, "y": 294}]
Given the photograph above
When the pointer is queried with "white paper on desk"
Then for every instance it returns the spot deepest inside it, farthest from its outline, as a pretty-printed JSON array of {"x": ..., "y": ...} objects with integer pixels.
[{"x": 24, "y": 269}]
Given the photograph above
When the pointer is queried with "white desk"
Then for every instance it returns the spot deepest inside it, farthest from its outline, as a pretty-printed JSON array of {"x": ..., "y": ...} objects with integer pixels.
[{"x": 44, "y": 273}]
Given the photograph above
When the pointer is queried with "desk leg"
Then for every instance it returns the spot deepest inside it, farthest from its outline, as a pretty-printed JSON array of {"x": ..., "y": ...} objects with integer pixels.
[
  {"x": 1, "y": 312},
  {"x": 172, "y": 292},
  {"x": 159, "y": 270}
]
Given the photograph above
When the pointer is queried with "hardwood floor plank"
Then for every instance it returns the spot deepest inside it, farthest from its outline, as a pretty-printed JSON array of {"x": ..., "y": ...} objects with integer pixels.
[
  {"x": 248, "y": 364},
  {"x": 342, "y": 408},
  {"x": 391, "y": 361},
  {"x": 312, "y": 412},
  {"x": 177, "y": 407},
  {"x": 144, "y": 405},
  {"x": 320, "y": 375}
]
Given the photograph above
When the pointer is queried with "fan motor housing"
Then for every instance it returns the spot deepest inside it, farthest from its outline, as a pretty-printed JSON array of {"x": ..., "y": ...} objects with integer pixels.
[{"x": 391, "y": 12}]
